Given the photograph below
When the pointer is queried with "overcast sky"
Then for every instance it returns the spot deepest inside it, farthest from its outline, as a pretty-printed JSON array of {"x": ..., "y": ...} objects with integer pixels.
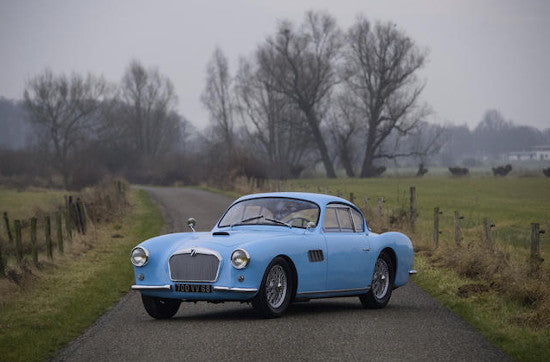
[{"x": 483, "y": 54}]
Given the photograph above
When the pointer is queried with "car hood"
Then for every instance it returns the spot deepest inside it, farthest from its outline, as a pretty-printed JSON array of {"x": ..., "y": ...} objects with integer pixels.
[{"x": 219, "y": 239}]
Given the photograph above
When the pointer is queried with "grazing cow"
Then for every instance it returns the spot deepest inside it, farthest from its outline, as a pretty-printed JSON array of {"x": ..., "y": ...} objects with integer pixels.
[
  {"x": 459, "y": 171},
  {"x": 502, "y": 170}
]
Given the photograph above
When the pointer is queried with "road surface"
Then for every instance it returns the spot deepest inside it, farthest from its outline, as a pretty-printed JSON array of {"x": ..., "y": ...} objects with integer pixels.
[{"x": 412, "y": 327}]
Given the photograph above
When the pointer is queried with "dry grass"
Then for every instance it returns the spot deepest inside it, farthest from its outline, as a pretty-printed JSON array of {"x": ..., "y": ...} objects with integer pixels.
[{"x": 105, "y": 203}]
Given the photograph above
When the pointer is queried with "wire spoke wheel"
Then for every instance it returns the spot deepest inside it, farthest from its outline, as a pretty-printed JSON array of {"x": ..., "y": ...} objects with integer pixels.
[
  {"x": 276, "y": 290},
  {"x": 276, "y": 286},
  {"x": 381, "y": 279},
  {"x": 382, "y": 282}
]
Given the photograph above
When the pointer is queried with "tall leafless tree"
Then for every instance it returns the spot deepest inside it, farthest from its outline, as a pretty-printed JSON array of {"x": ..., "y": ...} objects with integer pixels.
[
  {"x": 301, "y": 62},
  {"x": 273, "y": 124},
  {"x": 65, "y": 108},
  {"x": 380, "y": 72},
  {"x": 347, "y": 131},
  {"x": 217, "y": 98},
  {"x": 148, "y": 110}
]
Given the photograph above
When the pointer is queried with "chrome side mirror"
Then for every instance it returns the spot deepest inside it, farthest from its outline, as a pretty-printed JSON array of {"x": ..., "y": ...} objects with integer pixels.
[
  {"x": 191, "y": 222},
  {"x": 310, "y": 225}
]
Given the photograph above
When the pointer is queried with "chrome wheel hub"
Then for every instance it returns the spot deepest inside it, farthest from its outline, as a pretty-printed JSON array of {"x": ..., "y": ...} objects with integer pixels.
[
  {"x": 276, "y": 286},
  {"x": 381, "y": 279}
]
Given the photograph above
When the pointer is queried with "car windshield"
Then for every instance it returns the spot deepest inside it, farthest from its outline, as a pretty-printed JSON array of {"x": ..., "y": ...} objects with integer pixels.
[{"x": 271, "y": 211}]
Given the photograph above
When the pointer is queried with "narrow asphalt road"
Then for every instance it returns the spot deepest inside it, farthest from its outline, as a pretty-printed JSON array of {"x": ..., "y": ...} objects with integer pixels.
[{"x": 412, "y": 327}]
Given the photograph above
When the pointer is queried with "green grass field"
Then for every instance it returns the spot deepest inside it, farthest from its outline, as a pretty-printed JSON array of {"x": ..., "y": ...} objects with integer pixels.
[
  {"x": 511, "y": 203},
  {"x": 24, "y": 204}
]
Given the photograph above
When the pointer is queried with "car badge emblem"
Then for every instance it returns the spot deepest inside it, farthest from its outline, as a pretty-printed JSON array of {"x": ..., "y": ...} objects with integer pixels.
[{"x": 193, "y": 252}]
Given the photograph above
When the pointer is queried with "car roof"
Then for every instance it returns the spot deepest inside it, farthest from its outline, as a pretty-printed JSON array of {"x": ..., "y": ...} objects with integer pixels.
[{"x": 320, "y": 199}]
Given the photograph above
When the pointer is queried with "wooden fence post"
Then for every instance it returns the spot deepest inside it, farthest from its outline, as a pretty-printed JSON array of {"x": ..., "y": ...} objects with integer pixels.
[
  {"x": 437, "y": 212},
  {"x": 68, "y": 224},
  {"x": 458, "y": 231},
  {"x": 535, "y": 240},
  {"x": 351, "y": 197},
  {"x": 81, "y": 213},
  {"x": 33, "y": 241},
  {"x": 413, "y": 207},
  {"x": 8, "y": 229},
  {"x": 2, "y": 267},
  {"x": 380, "y": 203},
  {"x": 487, "y": 233},
  {"x": 48, "y": 234},
  {"x": 59, "y": 231},
  {"x": 18, "y": 242}
]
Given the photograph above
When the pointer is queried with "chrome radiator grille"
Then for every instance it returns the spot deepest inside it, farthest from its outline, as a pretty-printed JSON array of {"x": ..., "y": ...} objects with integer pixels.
[{"x": 201, "y": 267}]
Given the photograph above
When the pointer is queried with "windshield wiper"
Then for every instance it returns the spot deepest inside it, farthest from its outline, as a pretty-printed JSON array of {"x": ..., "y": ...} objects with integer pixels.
[
  {"x": 279, "y": 222},
  {"x": 247, "y": 220}
]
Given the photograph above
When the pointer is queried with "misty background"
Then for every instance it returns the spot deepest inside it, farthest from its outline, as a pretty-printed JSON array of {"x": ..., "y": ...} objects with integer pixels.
[{"x": 224, "y": 99}]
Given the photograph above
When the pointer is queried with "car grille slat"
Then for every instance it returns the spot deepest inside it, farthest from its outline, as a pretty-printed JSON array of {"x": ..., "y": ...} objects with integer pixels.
[{"x": 198, "y": 268}]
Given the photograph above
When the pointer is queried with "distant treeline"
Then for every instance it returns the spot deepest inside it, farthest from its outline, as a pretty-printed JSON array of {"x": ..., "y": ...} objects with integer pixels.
[{"x": 312, "y": 98}]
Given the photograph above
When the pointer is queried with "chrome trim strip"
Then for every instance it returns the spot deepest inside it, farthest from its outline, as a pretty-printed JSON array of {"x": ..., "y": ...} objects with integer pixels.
[
  {"x": 236, "y": 290},
  {"x": 151, "y": 287},
  {"x": 412, "y": 271},
  {"x": 335, "y": 291},
  {"x": 201, "y": 251}
]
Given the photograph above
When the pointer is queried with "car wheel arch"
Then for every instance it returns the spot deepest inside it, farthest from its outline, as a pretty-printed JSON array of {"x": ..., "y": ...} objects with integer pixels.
[{"x": 294, "y": 274}]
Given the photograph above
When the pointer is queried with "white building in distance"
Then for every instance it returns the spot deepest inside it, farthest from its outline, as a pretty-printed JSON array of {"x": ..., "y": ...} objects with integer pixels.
[{"x": 537, "y": 153}]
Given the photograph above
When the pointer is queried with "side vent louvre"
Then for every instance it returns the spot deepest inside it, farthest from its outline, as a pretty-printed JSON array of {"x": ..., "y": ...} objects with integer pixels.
[{"x": 315, "y": 255}]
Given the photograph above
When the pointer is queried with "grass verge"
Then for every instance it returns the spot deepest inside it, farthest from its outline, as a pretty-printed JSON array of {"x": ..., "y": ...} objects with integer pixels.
[
  {"x": 66, "y": 298},
  {"x": 486, "y": 310}
]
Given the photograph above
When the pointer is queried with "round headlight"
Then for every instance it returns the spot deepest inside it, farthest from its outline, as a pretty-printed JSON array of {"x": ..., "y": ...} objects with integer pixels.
[
  {"x": 240, "y": 259},
  {"x": 139, "y": 256}
]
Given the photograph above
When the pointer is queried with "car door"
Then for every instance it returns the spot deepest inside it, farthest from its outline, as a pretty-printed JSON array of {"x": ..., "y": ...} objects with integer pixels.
[{"x": 347, "y": 248}]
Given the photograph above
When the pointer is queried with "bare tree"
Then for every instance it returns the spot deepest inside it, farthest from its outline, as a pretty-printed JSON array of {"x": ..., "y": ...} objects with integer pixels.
[
  {"x": 148, "y": 110},
  {"x": 65, "y": 108},
  {"x": 274, "y": 125},
  {"x": 301, "y": 63},
  {"x": 381, "y": 64},
  {"x": 347, "y": 131},
  {"x": 216, "y": 96}
]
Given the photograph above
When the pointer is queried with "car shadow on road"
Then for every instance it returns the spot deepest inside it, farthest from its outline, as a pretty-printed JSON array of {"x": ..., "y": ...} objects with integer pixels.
[{"x": 235, "y": 311}]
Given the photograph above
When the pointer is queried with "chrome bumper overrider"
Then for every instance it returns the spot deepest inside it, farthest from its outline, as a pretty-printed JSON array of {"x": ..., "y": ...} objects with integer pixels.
[
  {"x": 151, "y": 287},
  {"x": 215, "y": 288},
  {"x": 412, "y": 272}
]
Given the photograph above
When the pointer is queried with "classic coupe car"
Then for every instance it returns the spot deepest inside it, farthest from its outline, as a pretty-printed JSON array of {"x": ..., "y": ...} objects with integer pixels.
[{"x": 272, "y": 249}]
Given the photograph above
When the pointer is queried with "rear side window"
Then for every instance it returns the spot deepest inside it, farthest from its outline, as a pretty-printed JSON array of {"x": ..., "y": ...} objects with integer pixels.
[
  {"x": 331, "y": 221},
  {"x": 357, "y": 221},
  {"x": 344, "y": 217}
]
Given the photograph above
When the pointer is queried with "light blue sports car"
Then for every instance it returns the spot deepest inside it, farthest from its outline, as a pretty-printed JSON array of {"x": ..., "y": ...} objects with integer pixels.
[{"x": 272, "y": 249}]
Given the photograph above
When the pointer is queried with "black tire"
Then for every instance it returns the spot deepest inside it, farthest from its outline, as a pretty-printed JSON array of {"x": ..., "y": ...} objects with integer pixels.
[
  {"x": 380, "y": 292},
  {"x": 160, "y": 308},
  {"x": 272, "y": 301}
]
